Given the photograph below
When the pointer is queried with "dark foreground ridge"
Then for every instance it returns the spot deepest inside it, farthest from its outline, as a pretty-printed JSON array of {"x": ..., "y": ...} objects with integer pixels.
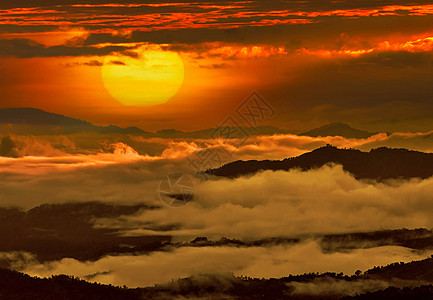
[
  {"x": 17, "y": 286},
  {"x": 398, "y": 281},
  {"x": 381, "y": 163}
]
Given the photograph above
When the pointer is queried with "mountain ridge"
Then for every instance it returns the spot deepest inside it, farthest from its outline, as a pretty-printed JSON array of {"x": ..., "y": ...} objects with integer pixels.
[
  {"x": 29, "y": 116},
  {"x": 338, "y": 129},
  {"x": 34, "y": 120},
  {"x": 379, "y": 164}
]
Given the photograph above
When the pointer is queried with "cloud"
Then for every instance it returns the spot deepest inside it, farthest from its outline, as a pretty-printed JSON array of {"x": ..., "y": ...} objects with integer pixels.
[
  {"x": 91, "y": 63},
  {"x": 25, "y": 48},
  {"x": 335, "y": 287},
  {"x": 230, "y": 22},
  {"x": 118, "y": 174},
  {"x": 117, "y": 62},
  {"x": 59, "y": 169},
  {"x": 397, "y": 59},
  {"x": 19, "y": 146},
  {"x": 289, "y": 204},
  {"x": 17, "y": 259},
  {"x": 268, "y": 204},
  {"x": 261, "y": 262},
  {"x": 215, "y": 66},
  {"x": 221, "y": 15}
]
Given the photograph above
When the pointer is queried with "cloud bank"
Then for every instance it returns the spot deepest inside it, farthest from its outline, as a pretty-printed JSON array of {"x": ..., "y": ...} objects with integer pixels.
[{"x": 277, "y": 261}]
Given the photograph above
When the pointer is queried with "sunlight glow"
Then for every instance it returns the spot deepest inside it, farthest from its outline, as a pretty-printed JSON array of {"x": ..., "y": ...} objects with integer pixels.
[{"x": 150, "y": 77}]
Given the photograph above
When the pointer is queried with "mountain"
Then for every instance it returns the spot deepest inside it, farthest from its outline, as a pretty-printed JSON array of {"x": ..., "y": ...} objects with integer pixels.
[
  {"x": 39, "y": 121},
  {"x": 35, "y": 121},
  {"x": 334, "y": 129},
  {"x": 225, "y": 131},
  {"x": 381, "y": 163},
  {"x": 419, "y": 239},
  {"x": 339, "y": 129},
  {"x": 424, "y": 292},
  {"x": 19, "y": 286}
]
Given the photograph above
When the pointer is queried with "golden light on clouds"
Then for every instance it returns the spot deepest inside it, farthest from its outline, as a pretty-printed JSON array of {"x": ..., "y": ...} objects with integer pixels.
[{"x": 150, "y": 77}]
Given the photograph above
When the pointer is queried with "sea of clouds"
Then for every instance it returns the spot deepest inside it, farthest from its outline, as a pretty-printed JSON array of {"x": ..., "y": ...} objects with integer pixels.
[{"x": 264, "y": 205}]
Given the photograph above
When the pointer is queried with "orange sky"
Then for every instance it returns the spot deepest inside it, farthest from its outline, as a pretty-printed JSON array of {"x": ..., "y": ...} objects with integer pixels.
[{"x": 314, "y": 62}]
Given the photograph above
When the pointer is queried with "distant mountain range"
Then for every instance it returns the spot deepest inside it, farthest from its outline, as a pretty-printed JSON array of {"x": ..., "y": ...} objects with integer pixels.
[
  {"x": 339, "y": 129},
  {"x": 333, "y": 129},
  {"x": 44, "y": 122},
  {"x": 381, "y": 163},
  {"x": 226, "y": 131},
  {"x": 36, "y": 121}
]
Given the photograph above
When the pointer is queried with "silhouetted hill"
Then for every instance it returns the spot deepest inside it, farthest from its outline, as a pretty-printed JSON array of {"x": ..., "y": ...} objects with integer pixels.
[
  {"x": 421, "y": 271},
  {"x": 424, "y": 292},
  {"x": 420, "y": 239},
  {"x": 381, "y": 163},
  {"x": 17, "y": 286},
  {"x": 339, "y": 129},
  {"x": 45, "y": 122},
  {"x": 417, "y": 270},
  {"x": 33, "y": 116}
]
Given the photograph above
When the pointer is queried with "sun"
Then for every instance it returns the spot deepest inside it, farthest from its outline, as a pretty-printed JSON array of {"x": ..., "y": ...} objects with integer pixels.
[{"x": 146, "y": 77}]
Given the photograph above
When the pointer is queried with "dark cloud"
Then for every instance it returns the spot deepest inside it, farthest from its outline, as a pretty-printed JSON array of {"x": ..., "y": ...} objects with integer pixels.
[
  {"x": 129, "y": 53},
  {"x": 217, "y": 21},
  {"x": 25, "y": 48},
  {"x": 397, "y": 59},
  {"x": 275, "y": 4},
  {"x": 392, "y": 88},
  {"x": 92, "y": 63},
  {"x": 326, "y": 32},
  {"x": 215, "y": 66},
  {"x": 7, "y": 147},
  {"x": 117, "y": 62}
]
